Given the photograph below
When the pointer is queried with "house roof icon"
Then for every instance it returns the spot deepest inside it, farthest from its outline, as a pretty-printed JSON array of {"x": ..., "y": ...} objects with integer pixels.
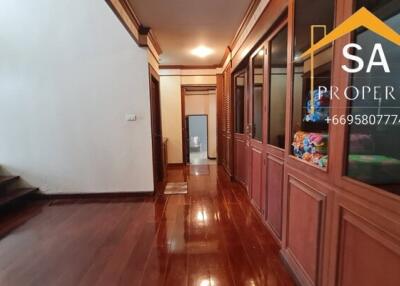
[{"x": 362, "y": 18}]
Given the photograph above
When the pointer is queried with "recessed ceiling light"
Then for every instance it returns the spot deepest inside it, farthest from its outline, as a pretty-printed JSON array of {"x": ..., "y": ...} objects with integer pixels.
[
  {"x": 261, "y": 52},
  {"x": 202, "y": 51}
]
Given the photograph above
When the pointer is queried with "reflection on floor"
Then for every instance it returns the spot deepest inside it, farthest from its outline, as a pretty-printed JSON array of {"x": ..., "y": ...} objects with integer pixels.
[
  {"x": 210, "y": 236},
  {"x": 200, "y": 158}
]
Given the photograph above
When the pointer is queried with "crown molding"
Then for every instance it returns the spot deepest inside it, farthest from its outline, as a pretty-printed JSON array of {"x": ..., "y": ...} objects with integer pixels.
[
  {"x": 142, "y": 35},
  {"x": 241, "y": 29},
  {"x": 254, "y": 12},
  {"x": 188, "y": 67}
]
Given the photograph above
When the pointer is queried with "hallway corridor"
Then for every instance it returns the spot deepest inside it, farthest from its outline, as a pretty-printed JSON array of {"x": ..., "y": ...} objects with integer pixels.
[{"x": 209, "y": 237}]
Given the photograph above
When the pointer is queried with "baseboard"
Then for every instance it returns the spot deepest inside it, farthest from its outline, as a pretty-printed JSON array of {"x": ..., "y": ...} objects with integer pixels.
[
  {"x": 118, "y": 195},
  {"x": 175, "y": 165},
  {"x": 293, "y": 268}
]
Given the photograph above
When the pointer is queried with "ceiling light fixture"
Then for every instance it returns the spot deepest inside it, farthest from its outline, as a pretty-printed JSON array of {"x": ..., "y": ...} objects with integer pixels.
[
  {"x": 202, "y": 51},
  {"x": 261, "y": 52}
]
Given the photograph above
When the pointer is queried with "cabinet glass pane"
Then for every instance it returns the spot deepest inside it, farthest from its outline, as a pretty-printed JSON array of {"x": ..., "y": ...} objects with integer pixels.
[
  {"x": 239, "y": 103},
  {"x": 310, "y": 103},
  {"x": 258, "y": 84},
  {"x": 277, "y": 93},
  {"x": 373, "y": 149}
]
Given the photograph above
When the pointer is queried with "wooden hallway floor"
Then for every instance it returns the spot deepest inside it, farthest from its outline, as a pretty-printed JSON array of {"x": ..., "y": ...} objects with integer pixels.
[{"x": 209, "y": 237}]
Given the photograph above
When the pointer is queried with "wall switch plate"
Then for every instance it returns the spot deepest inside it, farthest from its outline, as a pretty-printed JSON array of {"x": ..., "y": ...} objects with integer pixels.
[{"x": 130, "y": 117}]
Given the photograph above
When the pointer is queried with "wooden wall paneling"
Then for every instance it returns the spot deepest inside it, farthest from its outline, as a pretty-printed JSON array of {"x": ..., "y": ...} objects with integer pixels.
[
  {"x": 227, "y": 122},
  {"x": 184, "y": 127},
  {"x": 257, "y": 161},
  {"x": 339, "y": 134},
  {"x": 239, "y": 139},
  {"x": 257, "y": 152},
  {"x": 318, "y": 224},
  {"x": 240, "y": 158},
  {"x": 220, "y": 94},
  {"x": 305, "y": 225},
  {"x": 365, "y": 249},
  {"x": 224, "y": 124},
  {"x": 231, "y": 124},
  {"x": 274, "y": 191},
  {"x": 248, "y": 131},
  {"x": 274, "y": 156}
]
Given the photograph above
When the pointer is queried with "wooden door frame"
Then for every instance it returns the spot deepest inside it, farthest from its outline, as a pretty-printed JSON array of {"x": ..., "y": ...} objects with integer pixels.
[
  {"x": 153, "y": 75},
  {"x": 262, "y": 145},
  {"x": 244, "y": 135},
  {"x": 259, "y": 145},
  {"x": 183, "y": 117}
]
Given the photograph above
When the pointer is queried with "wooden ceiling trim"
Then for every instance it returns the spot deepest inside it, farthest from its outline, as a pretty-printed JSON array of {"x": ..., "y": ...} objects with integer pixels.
[
  {"x": 253, "y": 12},
  {"x": 275, "y": 10},
  {"x": 142, "y": 35},
  {"x": 187, "y": 67}
]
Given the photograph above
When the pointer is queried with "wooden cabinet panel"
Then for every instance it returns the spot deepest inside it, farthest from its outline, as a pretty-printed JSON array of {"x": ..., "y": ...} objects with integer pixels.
[
  {"x": 256, "y": 177},
  {"x": 240, "y": 159},
  {"x": 274, "y": 194},
  {"x": 366, "y": 257},
  {"x": 306, "y": 208}
]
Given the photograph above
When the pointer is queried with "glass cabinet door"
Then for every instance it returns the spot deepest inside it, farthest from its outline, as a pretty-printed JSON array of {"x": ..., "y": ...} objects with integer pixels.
[
  {"x": 239, "y": 102},
  {"x": 257, "y": 95},
  {"x": 311, "y": 81},
  {"x": 277, "y": 89},
  {"x": 373, "y": 154}
]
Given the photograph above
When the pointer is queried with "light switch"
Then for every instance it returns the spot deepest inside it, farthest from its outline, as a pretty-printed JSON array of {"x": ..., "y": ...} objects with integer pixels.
[{"x": 130, "y": 117}]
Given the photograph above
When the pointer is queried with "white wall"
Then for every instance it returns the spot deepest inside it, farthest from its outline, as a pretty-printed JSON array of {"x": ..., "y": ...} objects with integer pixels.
[
  {"x": 171, "y": 112},
  {"x": 69, "y": 72},
  {"x": 196, "y": 104}
]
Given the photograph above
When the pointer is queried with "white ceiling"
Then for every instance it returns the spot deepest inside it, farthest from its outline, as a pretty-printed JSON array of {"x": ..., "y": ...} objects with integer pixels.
[{"x": 182, "y": 25}]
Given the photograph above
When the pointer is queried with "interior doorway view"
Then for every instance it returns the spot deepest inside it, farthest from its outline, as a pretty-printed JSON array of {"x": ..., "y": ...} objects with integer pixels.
[
  {"x": 199, "y": 114},
  {"x": 198, "y": 139}
]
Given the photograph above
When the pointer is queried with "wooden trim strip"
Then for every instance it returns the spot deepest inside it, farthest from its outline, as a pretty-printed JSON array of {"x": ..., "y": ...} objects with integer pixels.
[
  {"x": 242, "y": 27},
  {"x": 187, "y": 67},
  {"x": 141, "y": 34},
  {"x": 65, "y": 196},
  {"x": 176, "y": 165},
  {"x": 247, "y": 16}
]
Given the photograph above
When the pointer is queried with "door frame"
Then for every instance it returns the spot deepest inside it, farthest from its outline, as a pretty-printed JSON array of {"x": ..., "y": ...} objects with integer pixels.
[
  {"x": 256, "y": 145},
  {"x": 274, "y": 155},
  {"x": 155, "y": 114},
  {"x": 240, "y": 136},
  {"x": 183, "y": 117}
]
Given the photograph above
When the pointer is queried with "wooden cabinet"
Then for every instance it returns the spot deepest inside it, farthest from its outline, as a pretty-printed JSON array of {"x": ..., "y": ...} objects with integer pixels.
[
  {"x": 240, "y": 139},
  {"x": 335, "y": 226}
]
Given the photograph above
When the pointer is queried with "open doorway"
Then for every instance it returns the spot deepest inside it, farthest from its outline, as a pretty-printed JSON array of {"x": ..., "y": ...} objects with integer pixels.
[
  {"x": 199, "y": 121},
  {"x": 197, "y": 127}
]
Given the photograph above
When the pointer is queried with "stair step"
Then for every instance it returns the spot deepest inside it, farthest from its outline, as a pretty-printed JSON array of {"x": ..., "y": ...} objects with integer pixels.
[
  {"x": 4, "y": 180},
  {"x": 15, "y": 194}
]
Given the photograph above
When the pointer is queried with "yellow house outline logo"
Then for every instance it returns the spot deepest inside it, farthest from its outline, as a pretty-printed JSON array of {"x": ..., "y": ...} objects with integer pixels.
[{"x": 362, "y": 18}]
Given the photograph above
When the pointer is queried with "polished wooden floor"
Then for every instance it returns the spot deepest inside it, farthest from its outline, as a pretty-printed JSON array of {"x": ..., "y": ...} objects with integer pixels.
[{"x": 209, "y": 237}]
